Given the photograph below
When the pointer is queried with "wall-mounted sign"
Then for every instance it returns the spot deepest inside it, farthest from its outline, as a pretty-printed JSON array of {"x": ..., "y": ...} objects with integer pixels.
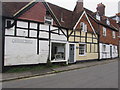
[{"x": 22, "y": 41}]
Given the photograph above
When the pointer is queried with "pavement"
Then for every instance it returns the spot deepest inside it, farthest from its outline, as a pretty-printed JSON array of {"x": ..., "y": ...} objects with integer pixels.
[
  {"x": 28, "y": 74},
  {"x": 99, "y": 76}
]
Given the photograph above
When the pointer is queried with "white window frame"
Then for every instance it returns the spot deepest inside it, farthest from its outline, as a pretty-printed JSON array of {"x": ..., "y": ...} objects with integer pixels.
[
  {"x": 108, "y": 22},
  {"x": 104, "y": 49},
  {"x": 83, "y": 26},
  {"x": 84, "y": 50},
  {"x": 45, "y": 19},
  {"x": 104, "y": 32},
  {"x": 117, "y": 19},
  {"x": 113, "y": 34},
  {"x": 97, "y": 17},
  {"x": 114, "y": 49}
]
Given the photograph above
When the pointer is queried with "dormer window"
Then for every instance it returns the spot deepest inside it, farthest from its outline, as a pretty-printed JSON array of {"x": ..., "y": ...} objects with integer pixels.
[
  {"x": 83, "y": 27},
  {"x": 48, "y": 19},
  {"x": 117, "y": 19},
  {"x": 107, "y": 22},
  {"x": 97, "y": 17}
]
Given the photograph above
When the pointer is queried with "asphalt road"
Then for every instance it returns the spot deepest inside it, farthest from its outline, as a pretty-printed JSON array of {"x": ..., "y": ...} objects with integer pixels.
[{"x": 100, "y": 76}]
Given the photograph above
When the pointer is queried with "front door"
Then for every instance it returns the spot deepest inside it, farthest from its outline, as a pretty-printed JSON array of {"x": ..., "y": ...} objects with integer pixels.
[
  {"x": 71, "y": 55},
  {"x": 110, "y": 51}
]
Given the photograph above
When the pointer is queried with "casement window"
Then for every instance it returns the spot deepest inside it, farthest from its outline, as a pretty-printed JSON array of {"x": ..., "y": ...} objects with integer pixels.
[
  {"x": 82, "y": 49},
  {"x": 113, "y": 34},
  {"x": 83, "y": 27},
  {"x": 104, "y": 31},
  {"x": 48, "y": 19},
  {"x": 104, "y": 48},
  {"x": 114, "y": 49},
  {"x": 107, "y": 22}
]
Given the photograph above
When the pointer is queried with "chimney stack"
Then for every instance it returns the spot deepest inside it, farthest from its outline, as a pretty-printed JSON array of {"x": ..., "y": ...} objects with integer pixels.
[
  {"x": 101, "y": 9},
  {"x": 79, "y": 6}
]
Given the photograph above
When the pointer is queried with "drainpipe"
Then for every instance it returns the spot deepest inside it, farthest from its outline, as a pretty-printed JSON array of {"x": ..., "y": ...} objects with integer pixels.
[
  {"x": 118, "y": 42},
  {"x": 98, "y": 42},
  {"x": 2, "y": 34},
  {"x": 49, "y": 43},
  {"x": 2, "y": 43}
]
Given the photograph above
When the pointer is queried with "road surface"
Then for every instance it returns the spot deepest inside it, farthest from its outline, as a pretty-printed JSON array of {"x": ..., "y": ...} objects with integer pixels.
[{"x": 100, "y": 76}]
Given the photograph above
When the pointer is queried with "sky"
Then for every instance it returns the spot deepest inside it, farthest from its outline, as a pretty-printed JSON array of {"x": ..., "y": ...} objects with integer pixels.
[{"x": 110, "y": 10}]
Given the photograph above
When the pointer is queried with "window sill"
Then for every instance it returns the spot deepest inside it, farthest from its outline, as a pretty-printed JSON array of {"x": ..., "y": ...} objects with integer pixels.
[{"x": 83, "y": 55}]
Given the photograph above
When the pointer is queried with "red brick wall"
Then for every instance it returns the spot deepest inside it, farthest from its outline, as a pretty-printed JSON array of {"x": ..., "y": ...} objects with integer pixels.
[
  {"x": 108, "y": 39},
  {"x": 36, "y": 13},
  {"x": 84, "y": 19}
]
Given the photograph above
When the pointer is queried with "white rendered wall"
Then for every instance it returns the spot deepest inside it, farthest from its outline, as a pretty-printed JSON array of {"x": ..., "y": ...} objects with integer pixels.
[
  {"x": 56, "y": 37},
  {"x": 107, "y": 55},
  {"x": 17, "y": 52},
  {"x": 23, "y": 51},
  {"x": 115, "y": 51}
]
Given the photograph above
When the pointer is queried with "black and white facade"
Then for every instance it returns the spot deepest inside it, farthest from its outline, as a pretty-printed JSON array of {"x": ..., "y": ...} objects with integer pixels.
[{"x": 28, "y": 42}]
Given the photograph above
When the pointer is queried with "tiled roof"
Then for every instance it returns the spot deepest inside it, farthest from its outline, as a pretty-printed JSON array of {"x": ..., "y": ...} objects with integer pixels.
[
  {"x": 10, "y": 8},
  {"x": 113, "y": 23},
  {"x": 118, "y": 14},
  {"x": 65, "y": 17}
]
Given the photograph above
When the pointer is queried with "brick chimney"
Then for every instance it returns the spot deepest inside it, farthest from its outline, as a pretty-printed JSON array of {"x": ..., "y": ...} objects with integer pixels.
[
  {"x": 101, "y": 9},
  {"x": 79, "y": 6}
]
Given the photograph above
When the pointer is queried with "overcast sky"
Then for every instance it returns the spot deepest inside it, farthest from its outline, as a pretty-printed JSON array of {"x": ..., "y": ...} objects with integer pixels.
[{"x": 111, "y": 5}]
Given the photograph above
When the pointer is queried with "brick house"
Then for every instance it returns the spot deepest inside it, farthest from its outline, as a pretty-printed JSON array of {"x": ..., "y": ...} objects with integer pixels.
[
  {"x": 108, "y": 33},
  {"x": 117, "y": 18}
]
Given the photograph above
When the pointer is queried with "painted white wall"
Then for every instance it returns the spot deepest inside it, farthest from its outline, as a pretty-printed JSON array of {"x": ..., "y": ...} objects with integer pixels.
[
  {"x": 44, "y": 27},
  {"x": 22, "y": 24},
  {"x": 43, "y": 51},
  {"x": 33, "y": 33},
  {"x": 106, "y": 56},
  {"x": 115, "y": 51},
  {"x": 55, "y": 37},
  {"x": 33, "y": 25},
  {"x": 44, "y": 35},
  {"x": 9, "y": 31},
  {"x": 20, "y": 50},
  {"x": 22, "y": 32}
]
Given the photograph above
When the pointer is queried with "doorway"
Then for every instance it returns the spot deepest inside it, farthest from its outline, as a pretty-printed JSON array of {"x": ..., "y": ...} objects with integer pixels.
[
  {"x": 110, "y": 51},
  {"x": 71, "y": 54}
]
